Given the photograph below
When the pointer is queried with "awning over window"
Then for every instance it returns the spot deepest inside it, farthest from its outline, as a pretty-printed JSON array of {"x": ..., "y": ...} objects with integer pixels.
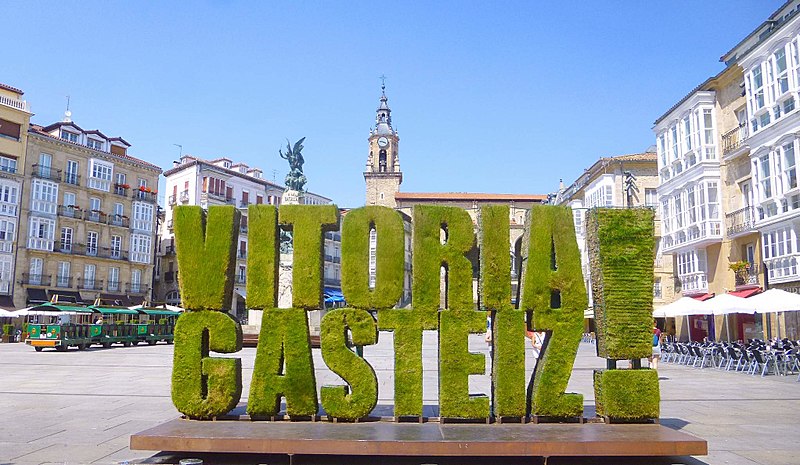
[
  {"x": 36, "y": 296},
  {"x": 6, "y": 302},
  {"x": 702, "y": 297},
  {"x": 67, "y": 296},
  {"x": 746, "y": 292}
]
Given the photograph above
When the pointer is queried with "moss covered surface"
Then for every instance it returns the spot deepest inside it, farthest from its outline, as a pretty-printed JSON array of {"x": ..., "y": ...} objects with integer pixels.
[
  {"x": 621, "y": 251},
  {"x": 628, "y": 395},
  {"x": 456, "y": 363},
  {"x": 508, "y": 365},
  {"x": 557, "y": 298},
  {"x": 308, "y": 223},
  {"x": 206, "y": 248},
  {"x": 205, "y": 387},
  {"x": 390, "y": 257},
  {"x": 357, "y": 400},
  {"x": 283, "y": 366},
  {"x": 262, "y": 257},
  {"x": 495, "y": 260},
  {"x": 407, "y": 326},
  {"x": 430, "y": 255}
]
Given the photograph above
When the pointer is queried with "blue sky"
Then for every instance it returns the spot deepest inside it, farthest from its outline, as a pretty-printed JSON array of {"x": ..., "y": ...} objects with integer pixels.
[{"x": 487, "y": 96}]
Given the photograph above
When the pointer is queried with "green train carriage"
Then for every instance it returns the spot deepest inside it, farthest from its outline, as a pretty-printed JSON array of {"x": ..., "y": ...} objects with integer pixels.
[{"x": 60, "y": 326}]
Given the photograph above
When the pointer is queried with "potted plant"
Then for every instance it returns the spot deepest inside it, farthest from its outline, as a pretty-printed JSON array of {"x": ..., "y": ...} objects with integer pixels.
[{"x": 740, "y": 269}]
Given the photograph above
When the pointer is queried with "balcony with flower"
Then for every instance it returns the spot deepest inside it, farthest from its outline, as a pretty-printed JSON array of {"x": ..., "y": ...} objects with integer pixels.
[
  {"x": 145, "y": 194},
  {"x": 745, "y": 274},
  {"x": 121, "y": 189}
]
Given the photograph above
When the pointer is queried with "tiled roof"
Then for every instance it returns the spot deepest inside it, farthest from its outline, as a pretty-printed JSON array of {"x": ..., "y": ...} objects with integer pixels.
[
  {"x": 39, "y": 130},
  {"x": 468, "y": 196},
  {"x": 12, "y": 89},
  {"x": 119, "y": 139},
  {"x": 601, "y": 164}
]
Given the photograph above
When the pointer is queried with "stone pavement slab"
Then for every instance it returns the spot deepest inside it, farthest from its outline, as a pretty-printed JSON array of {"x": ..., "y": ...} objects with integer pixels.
[{"x": 82, "y": 407}]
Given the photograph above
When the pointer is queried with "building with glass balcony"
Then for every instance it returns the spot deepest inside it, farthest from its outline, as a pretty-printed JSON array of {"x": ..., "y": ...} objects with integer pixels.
[
  {"x": 15, "y": 118},
  {"x": 89, "y": 214}
]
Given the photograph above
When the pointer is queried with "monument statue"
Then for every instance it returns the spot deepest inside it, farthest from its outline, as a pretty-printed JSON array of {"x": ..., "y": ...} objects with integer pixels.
[{"x": 295, "y": 180}]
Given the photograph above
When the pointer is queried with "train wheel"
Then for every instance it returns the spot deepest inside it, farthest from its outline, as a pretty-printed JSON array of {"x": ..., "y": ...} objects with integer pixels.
[
  {"x": 169, "y": 341},
  {"x": 61, "y": 348},
  {"x": 38, "y": 349},
  {"x": 136, "y": 343},
  {"x": 106, "y": 345},
  {"x": 126, "y": 344},
  {"x": 151, "y": 342},
  {"x": 81, "y": 346}
]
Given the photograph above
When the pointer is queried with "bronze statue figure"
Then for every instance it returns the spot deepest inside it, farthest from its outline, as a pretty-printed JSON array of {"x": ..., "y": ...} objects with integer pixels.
[{"x": 295, "y": 180}]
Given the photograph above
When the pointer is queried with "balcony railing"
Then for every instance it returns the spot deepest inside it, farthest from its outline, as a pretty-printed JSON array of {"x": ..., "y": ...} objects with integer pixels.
[
  {"x": 169, "y": 250},
  {"x": 170, "y": 225},
  {"x": 243, "y": 229},
  {"x": 747, "y": 278},
  {"x": 90, "y": 284},
  {"x": 144, "y": 196},
  {"x": 119, "y": 190},
  {"x": 169, "y": 276},
  {"x": 184, "y": 196},
  {"x": 15, "y": 103},
  {"x": 72, "y": 178},
  {"x": 95, "y": 215},
  {"x": 36, "y": 279},
  {"x": 734, "y": 138},
  {"x": 332, "y": 282},
  {"x": 70, "y": 211},
  {"x": 739, "y": 221},
  {"x": 119, "y": 220},
  {"x": 693, "y": 283},
  {"x": 136, "y": 288},
  {"x": 241, "y": 279},
  {"x": 244, "y": 204},
  {"x": 114, "y": 286},
  {"x": 46, "y": 172},
  {"x": 241, "y": 254},
  {"x": 63, "y": 281},
  {"x": 171, "y": 200}
]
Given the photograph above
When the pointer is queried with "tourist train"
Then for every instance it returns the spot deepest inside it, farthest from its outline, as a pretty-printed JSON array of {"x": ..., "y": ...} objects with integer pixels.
[{"x": 61, "y": 325}]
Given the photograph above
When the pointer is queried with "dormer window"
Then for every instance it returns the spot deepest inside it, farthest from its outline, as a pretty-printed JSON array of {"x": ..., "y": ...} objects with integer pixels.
[
  {"x": 70, "y": 136},
  {"x": 94, "y": 144},
  {"x": 226, "y": 164}
]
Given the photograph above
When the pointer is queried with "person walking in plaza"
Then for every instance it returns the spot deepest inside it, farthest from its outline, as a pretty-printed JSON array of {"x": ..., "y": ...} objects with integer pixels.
[{"x": 656, "y": 355}]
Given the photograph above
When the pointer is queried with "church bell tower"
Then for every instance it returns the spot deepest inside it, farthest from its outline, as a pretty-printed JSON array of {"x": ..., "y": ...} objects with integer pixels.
[{"x": 382, "y": 174}]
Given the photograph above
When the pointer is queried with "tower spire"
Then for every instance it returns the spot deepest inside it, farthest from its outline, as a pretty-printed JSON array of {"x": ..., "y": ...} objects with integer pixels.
[{"x": 383, "y": 119}]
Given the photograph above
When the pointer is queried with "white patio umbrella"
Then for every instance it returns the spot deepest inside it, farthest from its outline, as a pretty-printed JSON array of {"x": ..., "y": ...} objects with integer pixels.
[
  {"x": 684, "y": 306},
  {"x": 725, "y": 304},
  {"x": 776, "y": 301},
  {"x": 6, "y": 314}
]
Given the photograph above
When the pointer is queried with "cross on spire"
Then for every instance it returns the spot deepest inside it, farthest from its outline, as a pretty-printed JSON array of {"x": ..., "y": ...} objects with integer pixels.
[{"x": 383, "y": 81}]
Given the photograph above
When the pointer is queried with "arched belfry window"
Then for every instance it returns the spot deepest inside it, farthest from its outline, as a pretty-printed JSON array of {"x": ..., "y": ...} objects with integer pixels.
[{"x": 382, "y": 161}]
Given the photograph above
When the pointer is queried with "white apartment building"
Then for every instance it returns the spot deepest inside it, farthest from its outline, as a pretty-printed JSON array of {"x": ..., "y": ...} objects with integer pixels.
[
  {"x": 770, "y": 60},
  {"x": 689, "y": 189},
  {"x": 194, "y": 181}
]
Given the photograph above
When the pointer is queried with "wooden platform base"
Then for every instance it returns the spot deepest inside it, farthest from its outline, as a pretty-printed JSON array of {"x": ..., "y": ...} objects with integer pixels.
[{"x": 382, "y": 438}]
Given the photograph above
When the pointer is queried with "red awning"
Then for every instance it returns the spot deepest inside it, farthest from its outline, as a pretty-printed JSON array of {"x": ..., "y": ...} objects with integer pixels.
[
  {"x": 746, "y": 292},
  {"x": 702, "y": 296}
]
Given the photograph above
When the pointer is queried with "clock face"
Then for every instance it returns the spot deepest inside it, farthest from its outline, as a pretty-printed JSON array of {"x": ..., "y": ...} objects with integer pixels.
[{"x": 383, "y": 142}]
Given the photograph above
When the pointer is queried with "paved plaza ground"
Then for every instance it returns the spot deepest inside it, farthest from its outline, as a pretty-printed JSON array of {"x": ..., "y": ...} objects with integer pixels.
[{"x": 81, "y": 407}]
